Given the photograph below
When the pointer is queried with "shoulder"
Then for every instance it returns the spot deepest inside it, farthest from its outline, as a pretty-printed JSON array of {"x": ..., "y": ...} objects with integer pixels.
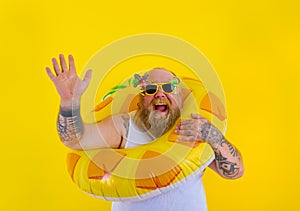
[
  {"x": 122, "y": 123},
  {"x": 121, "y": 120},
  {"x": 117, "y": 120},
  {"x": 113, "y": 129}
]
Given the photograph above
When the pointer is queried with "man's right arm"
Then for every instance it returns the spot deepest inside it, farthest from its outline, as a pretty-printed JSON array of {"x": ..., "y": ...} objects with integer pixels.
[
  {"x": 70, "y": 126},
  {"x": 72, "y": 131},
  {"x": 110, "y": 132}
]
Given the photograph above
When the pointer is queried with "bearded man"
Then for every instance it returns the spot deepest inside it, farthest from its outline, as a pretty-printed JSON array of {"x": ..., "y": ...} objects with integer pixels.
[{"x": 159, "y": 108}]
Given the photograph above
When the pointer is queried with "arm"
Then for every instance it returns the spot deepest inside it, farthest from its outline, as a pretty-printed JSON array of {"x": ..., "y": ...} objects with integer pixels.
[
  {"x": 228, "y": 161},
  {"x": 75, "y": 134},
  {"x": 72, "y": 131}
]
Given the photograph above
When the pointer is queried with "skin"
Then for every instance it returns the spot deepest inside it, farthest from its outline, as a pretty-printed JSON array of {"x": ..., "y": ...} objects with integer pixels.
[
  {"x": 159, "y": 75},
  {"x": 112, "y": 131},
  {"x": 73, "y": 133},
  {"x": 228, "y": 161}
]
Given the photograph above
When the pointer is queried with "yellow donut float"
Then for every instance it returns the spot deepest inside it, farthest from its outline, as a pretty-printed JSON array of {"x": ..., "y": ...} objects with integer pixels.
[{"x": 148, "y": 170}]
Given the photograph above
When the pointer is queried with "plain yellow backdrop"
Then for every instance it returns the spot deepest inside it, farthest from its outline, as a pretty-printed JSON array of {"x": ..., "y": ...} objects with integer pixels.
[{"x": 254, "y": 47}]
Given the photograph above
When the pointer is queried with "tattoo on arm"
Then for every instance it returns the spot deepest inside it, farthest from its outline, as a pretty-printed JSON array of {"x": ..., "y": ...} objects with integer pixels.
[
  {"x": 231, "y": 148},
  {"x": 212, "y": 135},
  {"x": 227, "y": 156},
  {"x": 216, "y": 139},
  {"x": 69, "y": 124},
  {"x": 228, "y": 169}
]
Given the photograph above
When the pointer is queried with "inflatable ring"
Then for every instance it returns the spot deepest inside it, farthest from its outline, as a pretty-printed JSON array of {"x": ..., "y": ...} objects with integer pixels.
[{"x": 148, "y": 170}]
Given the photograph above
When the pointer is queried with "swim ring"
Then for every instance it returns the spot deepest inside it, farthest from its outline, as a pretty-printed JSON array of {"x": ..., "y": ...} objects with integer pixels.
[{"x": 143, "y": 172}]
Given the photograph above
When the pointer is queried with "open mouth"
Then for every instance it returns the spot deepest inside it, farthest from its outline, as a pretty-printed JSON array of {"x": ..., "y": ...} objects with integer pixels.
[{"x": 161, "y": 107}]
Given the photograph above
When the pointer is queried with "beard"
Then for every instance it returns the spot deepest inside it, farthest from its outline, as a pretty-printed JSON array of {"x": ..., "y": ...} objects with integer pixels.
[{"x": 156, "y": 124}]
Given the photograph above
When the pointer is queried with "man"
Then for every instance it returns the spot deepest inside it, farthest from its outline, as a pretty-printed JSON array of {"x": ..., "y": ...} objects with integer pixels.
[{"x": 159, "y": 108}]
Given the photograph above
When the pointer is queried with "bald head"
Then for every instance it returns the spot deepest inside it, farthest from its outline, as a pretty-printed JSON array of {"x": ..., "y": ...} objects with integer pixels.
[
  {"x": 162, "y": 75},
  {"x": 158, "y": 75}
]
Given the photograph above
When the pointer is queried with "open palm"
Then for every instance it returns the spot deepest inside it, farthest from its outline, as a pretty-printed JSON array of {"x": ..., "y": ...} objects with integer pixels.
[{"x": 69, "y": 86}]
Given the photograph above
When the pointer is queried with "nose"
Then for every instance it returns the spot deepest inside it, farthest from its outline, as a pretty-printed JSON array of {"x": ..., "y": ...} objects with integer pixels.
[{"x": 160, "y": 94}]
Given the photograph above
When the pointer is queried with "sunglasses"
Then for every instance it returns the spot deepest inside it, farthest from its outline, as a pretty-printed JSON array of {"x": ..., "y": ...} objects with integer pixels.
[{"x": 152, "y": 89}]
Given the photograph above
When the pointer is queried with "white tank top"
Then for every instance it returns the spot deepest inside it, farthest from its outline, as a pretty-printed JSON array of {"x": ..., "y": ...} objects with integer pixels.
[{"x": 187, "y": 197}]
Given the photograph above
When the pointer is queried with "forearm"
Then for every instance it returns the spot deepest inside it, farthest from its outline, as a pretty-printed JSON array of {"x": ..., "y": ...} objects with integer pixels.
[
  {"x": 228, "y": 159},
  {"x": 77, "y": 135},
  {"x": 69, "y": 125},
  {"x": 70, "y": 88}
]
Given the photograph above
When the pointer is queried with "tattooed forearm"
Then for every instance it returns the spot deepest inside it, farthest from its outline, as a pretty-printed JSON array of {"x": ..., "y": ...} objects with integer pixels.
[
  {"x": 228, "y": 169},
  {"x": 69, "y": 124},
  {"x": 212, "y": 135},
  {"x": 228, "y": 159},
  {"x": 233, "y": 151},
  {"x": 216, "y": 139}
]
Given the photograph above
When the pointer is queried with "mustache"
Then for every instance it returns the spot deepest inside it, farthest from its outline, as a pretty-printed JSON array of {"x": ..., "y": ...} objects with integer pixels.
[{"x": 164, "y": 101}]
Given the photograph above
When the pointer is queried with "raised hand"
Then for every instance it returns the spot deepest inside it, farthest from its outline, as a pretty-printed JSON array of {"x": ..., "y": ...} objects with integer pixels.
[{"x": 69, "y": 86}]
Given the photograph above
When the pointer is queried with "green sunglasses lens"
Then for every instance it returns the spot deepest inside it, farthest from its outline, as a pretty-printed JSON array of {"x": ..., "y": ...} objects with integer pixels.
[{"x": 168, "y": 88}]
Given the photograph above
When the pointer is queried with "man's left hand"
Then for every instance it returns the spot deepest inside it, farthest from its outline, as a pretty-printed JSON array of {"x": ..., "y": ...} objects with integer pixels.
[{"x": 198, "y": 129}]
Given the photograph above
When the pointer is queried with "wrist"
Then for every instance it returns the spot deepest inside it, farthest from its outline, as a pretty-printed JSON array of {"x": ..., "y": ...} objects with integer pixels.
[
  {"x": 70, "y": 112},
  {"x": 212, "y": 136},
  {"x": 69, "y": 103},
  {"x": 215, "y": 145}
]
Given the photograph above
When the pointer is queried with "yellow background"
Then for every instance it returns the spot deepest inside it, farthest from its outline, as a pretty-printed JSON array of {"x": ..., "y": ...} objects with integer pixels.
[{"x": 254, "y": 47}]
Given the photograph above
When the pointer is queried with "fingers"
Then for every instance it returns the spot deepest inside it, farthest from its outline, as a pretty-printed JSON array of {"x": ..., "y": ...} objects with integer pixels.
[
  {"x": 187, "y": 138},
  {"x": 186, "y": 122},
  {"x": 188, "y": 135},
  {"x": 63, "y": 64},
  {"x": 188, "y": 127},
  {"x": 88, "y": 76},
  {"x": 50, "y": 74},
  {"x": 190, "y": 130},
  {"x": 72, "y": 64},
  {"x": 187, "y": 132},
  {"x": 197, "y": 116},
  {"x": 56, "y": 66}
]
